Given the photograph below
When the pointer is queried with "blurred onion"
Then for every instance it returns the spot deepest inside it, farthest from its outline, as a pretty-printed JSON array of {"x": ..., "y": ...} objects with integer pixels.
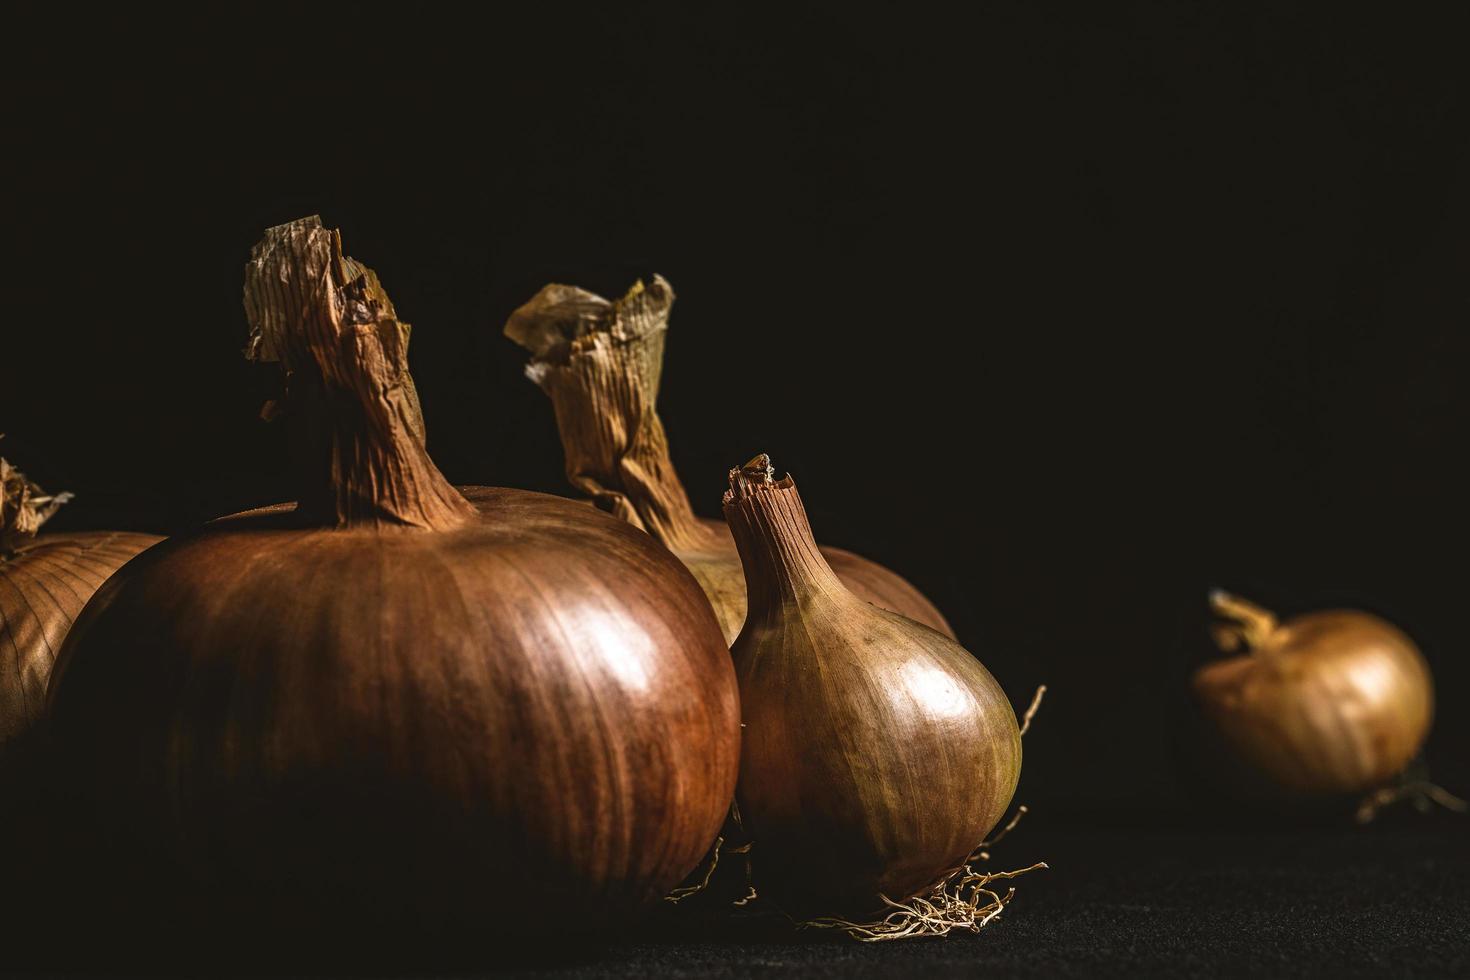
[{"x": 1327, "y": 702}]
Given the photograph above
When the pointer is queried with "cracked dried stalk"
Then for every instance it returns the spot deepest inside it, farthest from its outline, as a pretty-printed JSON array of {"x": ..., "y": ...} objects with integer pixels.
[
  {"x": 600, "y": 363},
  {"x": 24, "y": 507}
]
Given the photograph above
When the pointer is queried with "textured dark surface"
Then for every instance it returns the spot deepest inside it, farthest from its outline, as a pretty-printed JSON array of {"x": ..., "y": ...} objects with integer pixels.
[
  {"x": 1387, "y": 901},
  {"x": 1392, "y": 900}
]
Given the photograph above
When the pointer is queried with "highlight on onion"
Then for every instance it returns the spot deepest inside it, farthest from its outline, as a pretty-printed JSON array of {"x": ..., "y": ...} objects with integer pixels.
[
  {"x": 44, "y": 582},
  {"x": 877, "y": 752},
  {"x": 1327, "y": 702},
  {"x": 392, "y": 709},
  {"x": 600, "y": 363}
]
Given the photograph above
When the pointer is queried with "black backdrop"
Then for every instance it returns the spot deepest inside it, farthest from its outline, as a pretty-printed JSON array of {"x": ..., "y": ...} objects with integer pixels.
[{"x": 1066, "y": 317}]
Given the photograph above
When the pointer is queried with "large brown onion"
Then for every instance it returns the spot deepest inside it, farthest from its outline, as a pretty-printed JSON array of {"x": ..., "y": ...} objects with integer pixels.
[
  {"x": 878, "y": 753},
  {"x": 600, "y": 363},
  {"x": 389, "y": 709},
  {"x": 1326, "y": 702},
  {"x": 44, "y": 583}
]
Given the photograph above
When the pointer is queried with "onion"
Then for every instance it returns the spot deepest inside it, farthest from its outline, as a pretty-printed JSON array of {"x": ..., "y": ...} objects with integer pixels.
[
  {"x": 44, "y": 582},
  {"x": 600, "y": 363},
  {"x": 1327, "y": 702},
  {"x": 393, "y": 706},
  {"x": 877, "y": 752}
]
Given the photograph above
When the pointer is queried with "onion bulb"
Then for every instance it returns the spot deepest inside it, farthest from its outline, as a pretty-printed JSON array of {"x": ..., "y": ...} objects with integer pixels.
[
  {"x": 1326, "y": 702},
  {"x": 44, "y": 583},
  {"x": 393, "y": 707},
  {"x": 600, "y": 363},
  {"x": 877, "y": 752}
]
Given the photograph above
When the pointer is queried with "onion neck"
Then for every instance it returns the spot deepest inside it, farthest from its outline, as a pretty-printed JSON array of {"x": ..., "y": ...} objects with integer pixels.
[
  {"x": 1245, "y": 624},
  {"x": 356, "y": 430},
  {"x": 24, "y": 507},
  {"x": 600, "y": 363},
  {"x": 782, "y": 562}
]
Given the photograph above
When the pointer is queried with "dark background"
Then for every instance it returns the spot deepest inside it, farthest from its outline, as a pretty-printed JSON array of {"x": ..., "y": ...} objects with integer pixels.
[{"x": 1067, "y": 317}]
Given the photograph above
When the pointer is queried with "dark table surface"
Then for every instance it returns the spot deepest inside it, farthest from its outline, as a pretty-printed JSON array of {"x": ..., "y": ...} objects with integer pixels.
[
  {"x": 1391, "y": 900},
  {"x": 1256, "y": 899}
]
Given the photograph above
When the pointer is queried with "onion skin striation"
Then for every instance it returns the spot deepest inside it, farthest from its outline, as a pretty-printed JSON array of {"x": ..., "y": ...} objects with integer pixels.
[
  {"x": 44, "y": 583},
  {"x": 600, "y": 363},
  {"x": 877, "y": 752},
  {"x": 393, "y": 708},
  {"x": 1327, "y": 702}
]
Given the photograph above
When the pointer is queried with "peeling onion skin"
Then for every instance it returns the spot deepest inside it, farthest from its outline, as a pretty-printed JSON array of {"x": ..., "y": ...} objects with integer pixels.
[
  {"x": 878, "y": 753},
  {"x": 1327, "y": 702}
]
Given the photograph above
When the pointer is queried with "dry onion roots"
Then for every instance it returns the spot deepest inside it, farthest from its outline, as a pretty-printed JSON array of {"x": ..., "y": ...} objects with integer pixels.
[{"x": 963, "y": 900}]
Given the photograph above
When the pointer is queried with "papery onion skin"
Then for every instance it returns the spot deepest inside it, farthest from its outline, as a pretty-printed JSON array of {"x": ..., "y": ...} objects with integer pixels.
[
  {"x": 45, "y": 581},
  {"x": 454, "y": 727},
  {"x": 393, "y": 710},
  {"x": 1327, "y": 702},
  {"x": 600, "y": 363},
  {"x": 878, "y": 753}
]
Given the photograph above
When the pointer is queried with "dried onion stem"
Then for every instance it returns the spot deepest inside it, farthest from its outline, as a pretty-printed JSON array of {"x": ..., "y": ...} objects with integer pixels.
[{"x": 24, "y": 507}]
